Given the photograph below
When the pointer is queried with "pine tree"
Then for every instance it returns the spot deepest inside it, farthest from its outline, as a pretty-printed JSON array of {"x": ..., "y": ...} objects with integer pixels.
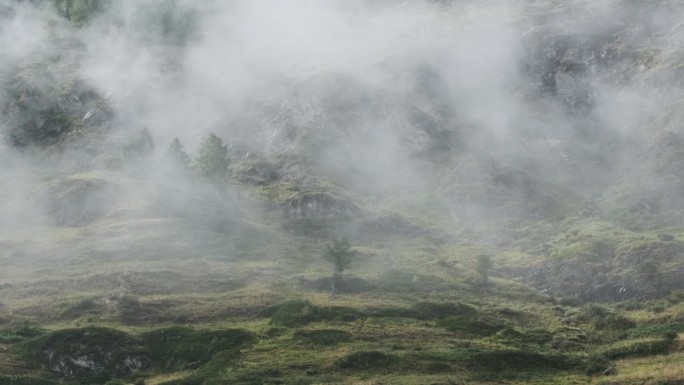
[
  {"x": 177, "y": 156},
  {"x": 212, "y": 159}
]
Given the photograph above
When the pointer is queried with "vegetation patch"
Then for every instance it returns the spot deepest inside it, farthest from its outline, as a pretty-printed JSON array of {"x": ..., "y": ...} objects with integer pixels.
[
  {"x": 426, "y": 310},
  {"x": 299, "y": 312},
  {"x": 637, "y": 348},
  {"x": 367, "y": 360},
  {"x": 655, "y": 330},
  {"x": 406, "y": 280},
  {"x": 471, "y": 325},
  {"x": 90, "y": 351},
  {"x": 343, "y": 284},
  {"x": 181, "y": 348},
  {"x": 87, "y": 306},
  {"x": 505, "y": 359},
  {"x": 515, "y": 337},
  {"x": 19, "y": 333},
  {"x": 324, "y": 337}
]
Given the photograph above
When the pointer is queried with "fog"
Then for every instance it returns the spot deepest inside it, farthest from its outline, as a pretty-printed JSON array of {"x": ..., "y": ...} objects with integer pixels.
[{"x": 492, "y": 110}]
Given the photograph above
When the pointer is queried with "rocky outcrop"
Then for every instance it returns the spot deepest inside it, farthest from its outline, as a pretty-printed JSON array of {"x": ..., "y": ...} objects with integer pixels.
[
  {"x": 92, "y": 351},
  {"x": 42, "y": 103},
  {"x": 602, "y": 264}
]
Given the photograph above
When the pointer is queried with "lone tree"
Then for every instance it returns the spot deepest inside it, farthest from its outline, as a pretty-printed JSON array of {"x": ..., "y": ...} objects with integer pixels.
[
  {"x": 212, "y": 160},
  {"x": 340, "y": 254},
  {"x": 177, "y": 156},
  {"x": 484, "y": 264}
]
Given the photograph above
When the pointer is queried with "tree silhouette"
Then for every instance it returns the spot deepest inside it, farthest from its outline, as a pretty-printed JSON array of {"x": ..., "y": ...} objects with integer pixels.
[
  {"x": 212, "y": 159},
  {"x": 340, "y": 254}
]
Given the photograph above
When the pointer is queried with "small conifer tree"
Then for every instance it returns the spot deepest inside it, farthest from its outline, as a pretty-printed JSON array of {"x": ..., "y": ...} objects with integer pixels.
[{"x": 212, "y": 159}]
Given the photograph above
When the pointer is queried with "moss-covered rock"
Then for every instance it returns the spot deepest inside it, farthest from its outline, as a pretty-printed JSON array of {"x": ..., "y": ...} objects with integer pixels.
[{"x": 90, "y": 351}]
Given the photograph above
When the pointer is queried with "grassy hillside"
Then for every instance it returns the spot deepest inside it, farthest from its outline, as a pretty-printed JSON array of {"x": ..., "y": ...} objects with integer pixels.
[{"x": 508, "y": 177}]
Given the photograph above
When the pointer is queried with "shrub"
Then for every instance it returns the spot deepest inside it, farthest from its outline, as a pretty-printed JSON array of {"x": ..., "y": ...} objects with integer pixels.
[
  {"x": 638, "y": 348},
  {"x": 596, "y": 363},
  {"x": 299, "y": 312},
  {"x": 367, "y": 360},
  {"x": 179, "y": 348},
  {"x": 325, "y": 337},
  {"x": 470, "y": 324}
]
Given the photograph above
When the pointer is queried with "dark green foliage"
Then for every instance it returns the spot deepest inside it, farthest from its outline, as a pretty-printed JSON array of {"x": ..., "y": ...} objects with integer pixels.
[
  {"x": 207, "y": 373},
  {"x": 298, "y": 312},
  {"x": 19, "y": 332},
  {"x": 613, "y": 322},
  {"x": 638, "y": 348},
  {"x": 340, "y": 254},
  {"x": 141, "y": 145},
  {"x": 596, "y": 363},
  {"x": 506, "y": 359},
  {"x": 176, "y": 155},
  {"x": 181, "y": 348},
  {"x": 426, "y": 310},
  {"x": 324, "y": 337},
  {"x": 516, "y": 337},
  {"x": 41, "y": 104},
  {"x": 106, "y": 348},
  {"x": 442, "y": 310},
  {"x": 603, "y": 318},
  {"x": 471, "y": 325},
  {"x": 568, "y": 341},
  {"x": 212, "y": 159},
  {"x": 80, "y": 11},
  {"x": 367, "y": 360}
]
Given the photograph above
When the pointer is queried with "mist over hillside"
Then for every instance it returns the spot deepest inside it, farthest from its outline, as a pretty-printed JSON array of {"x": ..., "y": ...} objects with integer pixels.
[{"x": 156, "y": 148}]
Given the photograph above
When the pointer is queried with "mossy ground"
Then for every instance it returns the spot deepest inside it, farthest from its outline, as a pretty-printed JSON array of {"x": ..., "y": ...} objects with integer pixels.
[{"x": 252, "y": 305}]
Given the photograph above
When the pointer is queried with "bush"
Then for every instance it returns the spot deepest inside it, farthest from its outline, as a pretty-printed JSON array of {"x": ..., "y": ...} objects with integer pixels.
[
  {"x": 181, "y": 348},
  {"x": 656, "y": 330},
  {"x": 326, "y": 337},
  {"x": 299, "y": 312},
  {"x": 638, "y": 348},
  {"x": 367, "y": 360},
  {"x": 471, "y": 324},
  {"x": 596, "y": 363}
]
